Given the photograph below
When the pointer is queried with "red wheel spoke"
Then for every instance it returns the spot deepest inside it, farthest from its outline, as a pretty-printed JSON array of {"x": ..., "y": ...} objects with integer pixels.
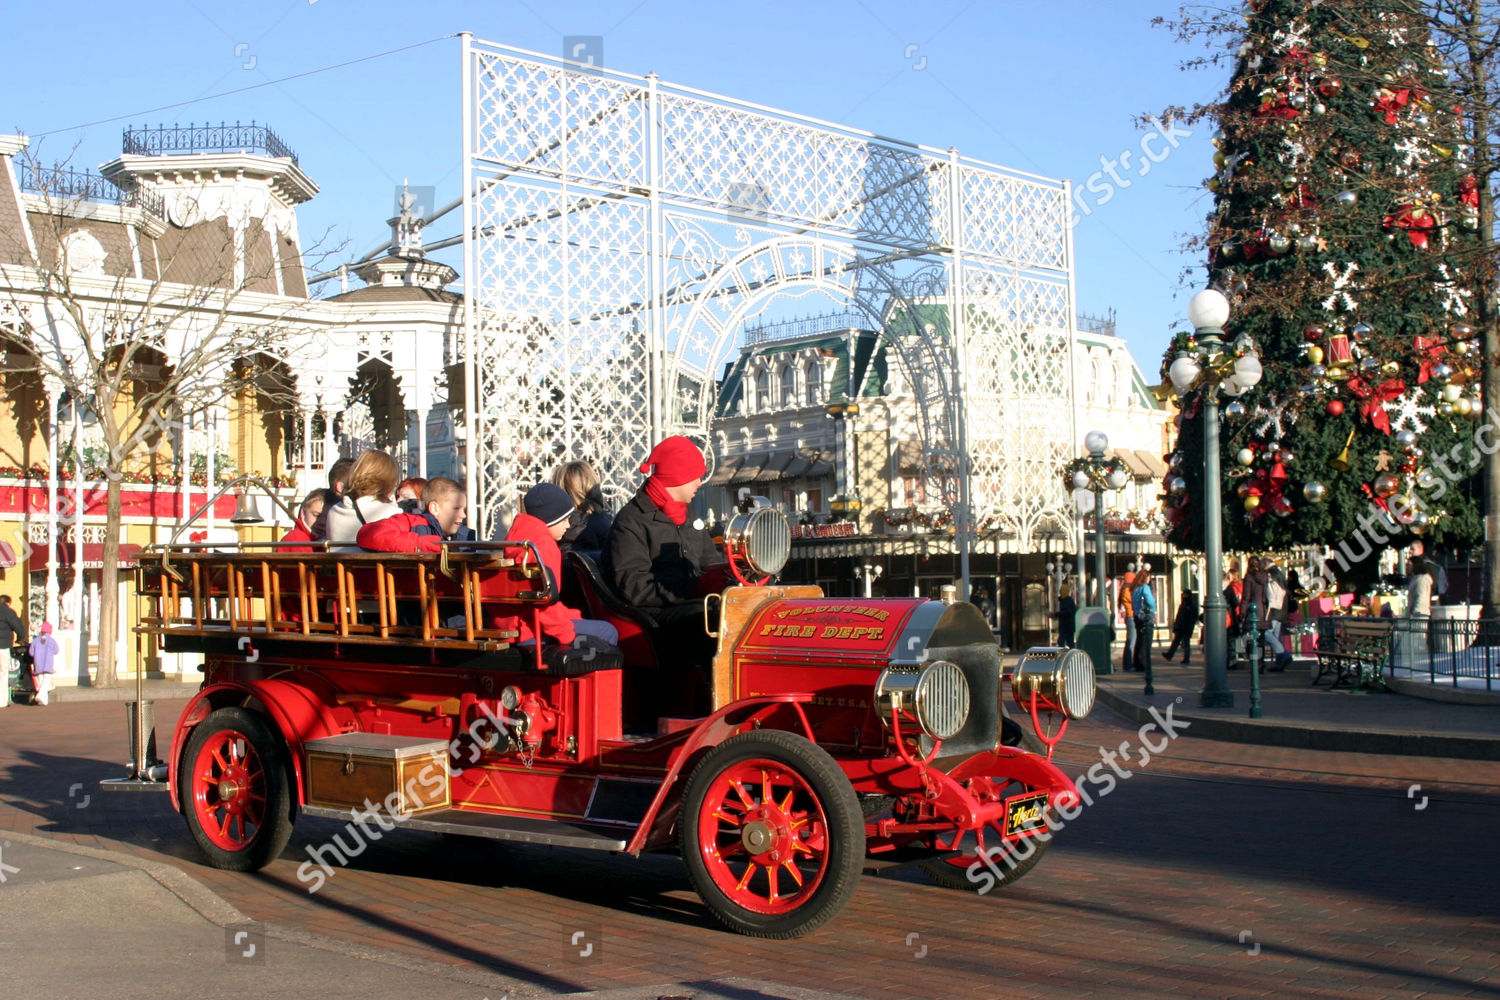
[
  {"x": 720, "y": 814},
  {"x": 745, "y": 879},
  {"x": 786, "y": 805},
  {"x": 793, "y": 871},
  {"x": 730, "y": 850},
  {"x": 744, "y": 795}
]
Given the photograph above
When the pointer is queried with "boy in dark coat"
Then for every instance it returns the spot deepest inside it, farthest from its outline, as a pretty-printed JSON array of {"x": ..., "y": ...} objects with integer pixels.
[
  {"x": 1183, "y": 625},
  {"x": 542, "y": 521}
]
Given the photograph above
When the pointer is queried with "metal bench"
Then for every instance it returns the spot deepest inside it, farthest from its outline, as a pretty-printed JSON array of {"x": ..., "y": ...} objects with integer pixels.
[{"x": 1354, "y": 648}]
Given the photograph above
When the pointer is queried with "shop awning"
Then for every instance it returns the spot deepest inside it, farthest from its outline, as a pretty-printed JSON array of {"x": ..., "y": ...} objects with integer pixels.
[
  {"x": 93, "y": 556},
  {"x": 775, "y": 466},
  {"x": 1156, "y": 465},
  {"x": 724, "y": 471},
  {"x": 749, "y": 469},
  {"x": 1133, "y": 462},
  {"x": 7, "y": 556},
  {"x": 799, "y": 465},
  {"x": 907, "y": 459},
  {"x": 822, "y": 465}
]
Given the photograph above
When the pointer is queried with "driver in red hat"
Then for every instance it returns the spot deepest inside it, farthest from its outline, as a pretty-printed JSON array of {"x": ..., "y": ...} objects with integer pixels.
[
  {"x": 656, "y": 552},
  {"x": 656, "y": 559}
]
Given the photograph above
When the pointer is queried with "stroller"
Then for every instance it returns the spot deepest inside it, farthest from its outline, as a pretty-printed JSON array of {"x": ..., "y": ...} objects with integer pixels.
[{"x": 21, "y": 680}]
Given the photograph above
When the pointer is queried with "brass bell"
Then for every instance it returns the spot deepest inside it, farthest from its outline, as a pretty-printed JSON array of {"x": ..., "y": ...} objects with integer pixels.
[{"x": 245, "y": 511}]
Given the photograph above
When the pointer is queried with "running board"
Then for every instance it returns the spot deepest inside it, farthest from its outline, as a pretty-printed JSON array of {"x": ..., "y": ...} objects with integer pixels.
[{"x": 492, "y": 826}]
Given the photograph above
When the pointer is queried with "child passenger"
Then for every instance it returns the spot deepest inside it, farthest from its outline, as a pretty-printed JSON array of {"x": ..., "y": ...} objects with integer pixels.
[
  {"x": 370, "y": 498},
  {"x": 542, "y": 521},
  {"x": 441, "y": 517}
]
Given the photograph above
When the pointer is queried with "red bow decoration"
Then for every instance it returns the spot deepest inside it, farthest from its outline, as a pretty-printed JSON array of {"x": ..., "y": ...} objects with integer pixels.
[
  {"x": 1390, "y": 106},
  {"x": 1268, "y": 484},
  {"x": 1430, "y": 353},
  {"x": 1278, "y": 109},
  {"x": 1372, "y": 399},
  {"x": 1418, "y": 223}
]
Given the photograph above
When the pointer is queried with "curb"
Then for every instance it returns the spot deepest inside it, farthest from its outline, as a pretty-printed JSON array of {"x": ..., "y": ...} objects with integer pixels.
[
  {"x": 1343, "y": 740},
  {"x": 1428, "y": 691}
]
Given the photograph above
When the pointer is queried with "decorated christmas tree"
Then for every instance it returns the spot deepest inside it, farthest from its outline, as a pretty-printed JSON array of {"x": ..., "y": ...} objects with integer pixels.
[{"x": 1343, "y": 218}]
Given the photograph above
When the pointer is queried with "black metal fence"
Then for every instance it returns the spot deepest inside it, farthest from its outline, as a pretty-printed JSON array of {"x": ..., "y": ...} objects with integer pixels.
[
  {"x": 1448, "y": 650},
  {"x": 220, "y": 138},
  {"x": 1445, "y": 651},
  {"x": 67, "y": 184}
]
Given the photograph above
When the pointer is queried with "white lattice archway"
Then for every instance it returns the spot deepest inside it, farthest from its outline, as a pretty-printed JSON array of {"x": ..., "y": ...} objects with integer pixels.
[{"x": 620, "y": 231}]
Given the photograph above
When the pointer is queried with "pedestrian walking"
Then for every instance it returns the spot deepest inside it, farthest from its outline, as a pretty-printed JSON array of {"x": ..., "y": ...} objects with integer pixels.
[
  {"x": 1128, "y": 613},
  {"x": 1183, "y": 625},
  {"x": 1143, "y": 601},
  {"x": 12, "y": 633},
  {"x": 43, "y": 651},
  {"x": 1066, "y": 614},
  {"x": 1278, "y": 595}
]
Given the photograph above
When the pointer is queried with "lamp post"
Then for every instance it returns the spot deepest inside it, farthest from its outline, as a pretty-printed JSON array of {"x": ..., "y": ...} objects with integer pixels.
[
  {"x": 1210, "y": 371},
  {"x": 847, "y": 503},
  {"x": 1099, "y": 474}
]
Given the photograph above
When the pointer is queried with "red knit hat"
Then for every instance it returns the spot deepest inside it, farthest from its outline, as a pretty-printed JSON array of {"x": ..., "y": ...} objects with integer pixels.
[{"x": 675, "y": 461}]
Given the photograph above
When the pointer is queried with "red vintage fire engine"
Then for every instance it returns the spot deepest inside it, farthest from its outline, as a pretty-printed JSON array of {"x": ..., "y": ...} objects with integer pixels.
[{"x": 843, "y": 733}]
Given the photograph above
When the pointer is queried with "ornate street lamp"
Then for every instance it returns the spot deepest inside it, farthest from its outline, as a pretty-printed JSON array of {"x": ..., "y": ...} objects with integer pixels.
[
  {"x": 1099, "y": 474},
  {"x": 1211, "y": 370}
]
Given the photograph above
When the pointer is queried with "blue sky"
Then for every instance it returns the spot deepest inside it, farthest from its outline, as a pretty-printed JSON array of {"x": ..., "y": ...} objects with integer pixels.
[{"x": 1050, "y": 88}]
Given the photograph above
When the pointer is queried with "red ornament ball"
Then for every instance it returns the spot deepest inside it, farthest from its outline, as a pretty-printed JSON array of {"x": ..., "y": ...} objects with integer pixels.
[
  {"x": 1335, "y": 408},
  {"x": 1313, "y": 332}
]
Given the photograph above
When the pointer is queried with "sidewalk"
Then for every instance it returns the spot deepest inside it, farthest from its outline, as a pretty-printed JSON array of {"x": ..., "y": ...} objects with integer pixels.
[
  {"x": 149, "y": 930},
  {"x": 156, "y": 690},
  {"x": 1296, "y": 714}
]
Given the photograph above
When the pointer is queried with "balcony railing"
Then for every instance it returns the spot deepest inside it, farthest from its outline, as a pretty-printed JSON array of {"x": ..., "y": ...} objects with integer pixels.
[
  {"x": 806, "y": 326},
  {"x": 167, "y": 140},
  {"x": 67, "y": 184}
]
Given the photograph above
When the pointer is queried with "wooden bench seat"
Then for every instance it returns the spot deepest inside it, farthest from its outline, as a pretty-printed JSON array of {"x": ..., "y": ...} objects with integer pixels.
[{"x": 1354, "y": 648}]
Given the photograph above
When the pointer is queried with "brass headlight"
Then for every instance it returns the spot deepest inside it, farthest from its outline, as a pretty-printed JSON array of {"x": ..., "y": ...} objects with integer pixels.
[
  {"x": 1062, "y": 679},
  {"x": 934, "y": 695},
  {"x": 762, "y": 538}
]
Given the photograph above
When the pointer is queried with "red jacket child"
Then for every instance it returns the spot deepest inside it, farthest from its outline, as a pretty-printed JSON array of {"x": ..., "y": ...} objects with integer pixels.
[{"x": 556, "y": 619}]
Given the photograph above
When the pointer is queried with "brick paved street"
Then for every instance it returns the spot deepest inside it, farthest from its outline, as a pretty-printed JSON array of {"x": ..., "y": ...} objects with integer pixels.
[{"x": 1219, "y": 869}]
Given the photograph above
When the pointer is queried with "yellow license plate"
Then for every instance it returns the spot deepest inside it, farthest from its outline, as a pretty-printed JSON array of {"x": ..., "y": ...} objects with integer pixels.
[{"x": 1025, "y": 812}]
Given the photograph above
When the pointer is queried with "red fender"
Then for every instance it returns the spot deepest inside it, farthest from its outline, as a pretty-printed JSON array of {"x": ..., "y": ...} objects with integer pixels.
[
  {"x": 715, "y": 729},
  {"x": 1022, "y": 765},
  {"x": 295, "y": 710}
]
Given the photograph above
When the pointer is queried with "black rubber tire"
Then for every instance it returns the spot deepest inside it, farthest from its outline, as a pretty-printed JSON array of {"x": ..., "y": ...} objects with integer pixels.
[
  {"x": 845, "y": 832},
  {"x": 954, "y": 876},
  {"x": 271, "y": 835}
]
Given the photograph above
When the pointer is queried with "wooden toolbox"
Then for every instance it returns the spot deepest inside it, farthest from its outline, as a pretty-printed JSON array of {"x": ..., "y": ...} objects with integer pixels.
[{"x": 352, "y": 769}]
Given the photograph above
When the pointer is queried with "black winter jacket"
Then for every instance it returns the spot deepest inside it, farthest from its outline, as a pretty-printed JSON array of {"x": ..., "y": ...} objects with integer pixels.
[{"x": 652, "y": 562}]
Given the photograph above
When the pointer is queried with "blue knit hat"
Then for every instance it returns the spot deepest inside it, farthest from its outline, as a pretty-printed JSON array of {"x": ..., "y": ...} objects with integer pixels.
[{"x": 547, "y": 503}]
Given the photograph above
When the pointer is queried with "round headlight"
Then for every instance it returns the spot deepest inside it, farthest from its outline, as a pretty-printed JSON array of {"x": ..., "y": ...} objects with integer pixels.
[
  {"x": 1062, "y": 679},
  {"x": 763, "y": 538},
  {"x": 934, "y": 695}
]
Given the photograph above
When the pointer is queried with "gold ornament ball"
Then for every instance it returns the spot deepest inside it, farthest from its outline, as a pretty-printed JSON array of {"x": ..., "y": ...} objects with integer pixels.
[
  {"x": 1252, "y": 502},
  {"x": 1390, "y": 369},
  {"x": 1385, "y": 485},
  {"x": 1245, "y": 457},
  {"x": 1314, "y": 491},
  {"x": 1452, "y": 391},
  {"x": 1419, "y": 523},
  {"x": 1315, "y": 354}
]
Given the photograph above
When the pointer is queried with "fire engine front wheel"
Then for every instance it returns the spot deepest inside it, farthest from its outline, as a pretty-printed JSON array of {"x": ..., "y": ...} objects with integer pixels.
[
  {"x": 235, "y": 791},
  {"x": 772, "y": 834}
]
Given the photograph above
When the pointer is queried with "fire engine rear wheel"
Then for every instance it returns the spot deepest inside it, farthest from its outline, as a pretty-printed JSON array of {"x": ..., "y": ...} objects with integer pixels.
[
  {"x": 772, "y": 834},
  {"x": 235, "y": 791}
]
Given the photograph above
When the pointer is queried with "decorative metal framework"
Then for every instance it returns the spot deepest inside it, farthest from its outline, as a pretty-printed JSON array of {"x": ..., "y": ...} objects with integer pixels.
[{"x": 621, "y": 233}]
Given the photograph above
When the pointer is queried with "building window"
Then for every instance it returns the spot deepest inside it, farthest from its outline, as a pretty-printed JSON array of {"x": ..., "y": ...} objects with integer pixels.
[
  {"x": 815, "y": 501},
  {"x": 814, "y": 384},
  {"x": 789, "y": 386},
  {"x": 762, "y": 391},
  {"x": 912, "y": 492}
]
